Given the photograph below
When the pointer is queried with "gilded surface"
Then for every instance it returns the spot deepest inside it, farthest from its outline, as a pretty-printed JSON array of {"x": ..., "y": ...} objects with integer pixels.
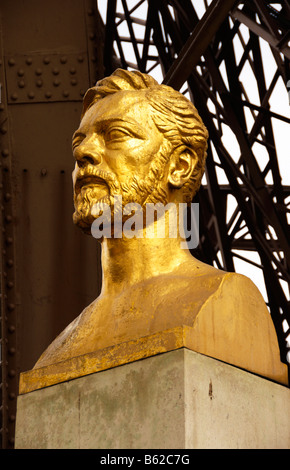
[{"x": 146, "y": 143}]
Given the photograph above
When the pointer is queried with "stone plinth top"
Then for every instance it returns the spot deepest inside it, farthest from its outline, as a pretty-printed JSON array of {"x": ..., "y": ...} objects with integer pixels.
[{"x": 123, "y": 353}]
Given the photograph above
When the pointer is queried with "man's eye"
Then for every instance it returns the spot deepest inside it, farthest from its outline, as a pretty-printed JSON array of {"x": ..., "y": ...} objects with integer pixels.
[{"x": 117, "y": 134}]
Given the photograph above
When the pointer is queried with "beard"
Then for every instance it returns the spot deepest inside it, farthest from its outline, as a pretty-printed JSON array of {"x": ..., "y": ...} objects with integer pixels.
[{"x": 135, "y": 190}]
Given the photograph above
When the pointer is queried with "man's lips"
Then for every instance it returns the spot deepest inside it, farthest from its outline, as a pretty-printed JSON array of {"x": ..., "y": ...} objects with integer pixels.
[{"x": 89, "y": 180}]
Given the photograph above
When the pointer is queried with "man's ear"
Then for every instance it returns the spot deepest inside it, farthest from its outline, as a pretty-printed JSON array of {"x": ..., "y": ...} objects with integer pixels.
[{"x": 181, "y": 166}]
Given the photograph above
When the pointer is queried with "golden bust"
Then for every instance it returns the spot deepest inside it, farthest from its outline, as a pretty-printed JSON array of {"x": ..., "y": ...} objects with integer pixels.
[{"x": 146, "y": 143}]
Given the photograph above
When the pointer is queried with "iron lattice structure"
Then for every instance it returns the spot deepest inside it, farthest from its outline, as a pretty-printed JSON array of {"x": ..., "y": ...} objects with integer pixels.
[{"x": 216, "y": 55}]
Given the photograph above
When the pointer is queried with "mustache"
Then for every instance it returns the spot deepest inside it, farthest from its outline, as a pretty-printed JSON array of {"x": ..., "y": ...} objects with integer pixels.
[{"x": 90, "y": 175}]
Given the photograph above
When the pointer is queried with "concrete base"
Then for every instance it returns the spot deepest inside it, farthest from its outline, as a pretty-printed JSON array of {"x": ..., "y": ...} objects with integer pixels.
[{"x": 176, "y": 400}]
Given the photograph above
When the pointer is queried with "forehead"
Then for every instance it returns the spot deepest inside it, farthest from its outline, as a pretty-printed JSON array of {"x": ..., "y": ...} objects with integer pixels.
[{"x": 124, "y": 105}]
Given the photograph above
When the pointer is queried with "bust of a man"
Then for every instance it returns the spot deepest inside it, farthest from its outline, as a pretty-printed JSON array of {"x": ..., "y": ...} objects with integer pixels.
[{"x": 142, "y": 143}]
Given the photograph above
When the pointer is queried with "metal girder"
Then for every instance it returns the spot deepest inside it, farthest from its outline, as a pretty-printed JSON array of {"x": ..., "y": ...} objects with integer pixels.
[
  {"x": 198, "y": 42},
  {"x": 263, "y": 32},
  {"x": 8, "y": 298}
]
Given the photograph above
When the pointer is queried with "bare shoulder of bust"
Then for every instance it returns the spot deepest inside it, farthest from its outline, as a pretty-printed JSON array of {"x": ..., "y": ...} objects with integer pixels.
[{"x": 235, "y": 326}]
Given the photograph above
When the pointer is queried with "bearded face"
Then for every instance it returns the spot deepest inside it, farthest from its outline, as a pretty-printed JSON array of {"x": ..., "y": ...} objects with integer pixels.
[
  {"x": 91, "y": 187},
  {"x": 95, "y": 189},
  {"x": 119, "y": 152}
]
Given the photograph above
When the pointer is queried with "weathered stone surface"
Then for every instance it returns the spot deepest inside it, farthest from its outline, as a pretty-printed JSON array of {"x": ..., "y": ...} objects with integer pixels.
[{"x": 180, "y": 399}]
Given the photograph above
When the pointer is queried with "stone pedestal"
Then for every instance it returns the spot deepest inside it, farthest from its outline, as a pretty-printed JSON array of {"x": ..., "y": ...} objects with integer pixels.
[{"x": 175, "y": 400}]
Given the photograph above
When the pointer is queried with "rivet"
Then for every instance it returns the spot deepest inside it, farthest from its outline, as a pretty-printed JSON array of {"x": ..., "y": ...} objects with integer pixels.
[
  {"x": 55, "y": 71},
  {"x": 11, "y": 62},
  {"x": 92, "y": 36},
  {"x": 12, "y": 419},
  {"x": 5, "y": 153},
  {"x": 1, "y": 107},
  {"x": 80, "y": 58},
  {"x": 12, "y": 396},
  {"x": 20, "y": 73},
  {"x": 3, "y": 130},
  {"x": 90, "y": 12},
  {"x": 72, "y": 70},
  {"x": 9, "y": 240},
  {"x": 46, "y": 60},
  {"x": 56, "y": 82},
  {"x": 14, "y": 96},
  {"x": 10, "y": 263},
  {"x": 65, "y": 93},
  {"x": 48, "y": 94},
  {"x": 73, "y": 81},
  {"x": 38, "y": 71},
  {"x": 43, "y": 172},
  {"x": 11, "y": 373},
  {"x": 7, "y": 197},
  {"x": 39, "y": 82},
  {"x": 30, "y": 95},
  {"x": 11, "y": 351},
  {"x": 63, "y": 59},
  {"x": 29, "y": 61},
  {"x": 8, "y": 218},
  {"x": 11, "y": 307},
  {"x": 82, "y": 92},
  {"x": 11, "y": 328},
  {"x": 10, "y": 284},
  {"x": 21, "y": 83}
]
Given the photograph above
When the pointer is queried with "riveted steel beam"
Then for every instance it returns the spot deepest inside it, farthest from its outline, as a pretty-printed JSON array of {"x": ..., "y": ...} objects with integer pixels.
[
  {"x": 46, "y": 77},
  {"x": 8, "y": 289}
]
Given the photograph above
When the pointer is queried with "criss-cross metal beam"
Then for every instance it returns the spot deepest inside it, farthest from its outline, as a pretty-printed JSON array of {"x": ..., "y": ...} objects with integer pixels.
[{"x": 198, "y": 42}]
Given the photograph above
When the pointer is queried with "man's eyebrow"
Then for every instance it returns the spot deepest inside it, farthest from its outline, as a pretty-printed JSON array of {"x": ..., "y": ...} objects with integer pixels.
[
  {"x": 102, "y": 123},
  {"x": 131, "y": 122},
  {"x": 77, "y": 134}
]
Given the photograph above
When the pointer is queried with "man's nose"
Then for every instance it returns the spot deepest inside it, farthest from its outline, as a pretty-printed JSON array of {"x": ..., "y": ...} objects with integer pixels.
[{"x": 87, "y": 152}]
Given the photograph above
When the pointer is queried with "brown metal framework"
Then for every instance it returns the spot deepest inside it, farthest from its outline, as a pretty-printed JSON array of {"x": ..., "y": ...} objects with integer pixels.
[
  {"x": 197, "y": 54},
  {"x": 49, "y": 270},
  {"x": 231, "y": 58}
]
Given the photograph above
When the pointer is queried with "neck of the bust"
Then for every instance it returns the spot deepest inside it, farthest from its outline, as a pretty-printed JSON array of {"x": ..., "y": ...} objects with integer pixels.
[{"x": 157, "y": 248}]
